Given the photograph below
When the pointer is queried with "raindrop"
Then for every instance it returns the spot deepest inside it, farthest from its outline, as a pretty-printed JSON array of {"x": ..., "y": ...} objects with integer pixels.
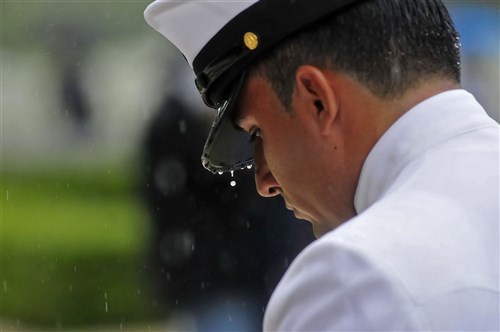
[
  {"x": 232, "y": 183},
  {"x": 220, "y": 173},
  {"x": 249, "y": 166}
]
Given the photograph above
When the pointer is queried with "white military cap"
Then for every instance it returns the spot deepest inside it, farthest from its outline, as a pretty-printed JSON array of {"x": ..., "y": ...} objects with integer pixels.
[{"x": 220, "y": 39}]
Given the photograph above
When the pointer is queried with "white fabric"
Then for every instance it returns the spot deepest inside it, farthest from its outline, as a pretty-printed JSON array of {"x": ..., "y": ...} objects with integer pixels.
[
  {"x": 190, "y": 24},
  {"x": 423, "y": 252}
]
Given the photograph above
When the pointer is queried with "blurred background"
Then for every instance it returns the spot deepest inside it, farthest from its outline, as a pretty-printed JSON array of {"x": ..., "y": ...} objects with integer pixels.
[{"x": 108, "y": 221}]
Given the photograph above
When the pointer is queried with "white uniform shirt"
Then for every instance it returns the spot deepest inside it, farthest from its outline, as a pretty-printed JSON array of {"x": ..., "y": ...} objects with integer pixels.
[{"x": 423, "y": 252}]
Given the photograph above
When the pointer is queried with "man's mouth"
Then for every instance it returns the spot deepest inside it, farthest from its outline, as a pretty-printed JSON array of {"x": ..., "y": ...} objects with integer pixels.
[{"x": 291, "y": 207}]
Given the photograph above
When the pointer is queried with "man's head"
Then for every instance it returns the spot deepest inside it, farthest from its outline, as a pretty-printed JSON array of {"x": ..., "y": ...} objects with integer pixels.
[
  {"x": 220, "y": 40},
  {"x": 317, "y": 102}
]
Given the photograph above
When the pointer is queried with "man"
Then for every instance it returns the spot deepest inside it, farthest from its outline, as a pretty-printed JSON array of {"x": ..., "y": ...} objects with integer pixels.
[{"x": 356, "y": 118}]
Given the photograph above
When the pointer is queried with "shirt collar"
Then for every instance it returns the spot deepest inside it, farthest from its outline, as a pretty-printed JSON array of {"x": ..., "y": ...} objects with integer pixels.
[{"x": 425, "y": 125}]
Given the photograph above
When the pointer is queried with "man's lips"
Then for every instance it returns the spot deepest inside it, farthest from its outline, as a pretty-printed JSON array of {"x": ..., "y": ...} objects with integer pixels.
[
  {"x": 296, "y": 212},
  {"x": 290, "y": 207}
]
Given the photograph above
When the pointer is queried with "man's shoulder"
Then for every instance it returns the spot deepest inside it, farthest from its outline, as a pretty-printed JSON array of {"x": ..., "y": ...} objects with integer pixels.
[
  {"x": 342, "y": 285},
  {"x": 419, "y": 273},
  {"x": 427, "y": 240}
]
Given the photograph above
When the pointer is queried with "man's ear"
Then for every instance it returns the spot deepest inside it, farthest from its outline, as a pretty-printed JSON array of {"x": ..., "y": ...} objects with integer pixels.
[{"x": 316, "y": 95}]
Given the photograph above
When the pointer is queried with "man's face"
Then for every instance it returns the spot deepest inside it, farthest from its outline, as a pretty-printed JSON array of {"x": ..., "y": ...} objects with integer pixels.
[{"x": 293, "y": 158}]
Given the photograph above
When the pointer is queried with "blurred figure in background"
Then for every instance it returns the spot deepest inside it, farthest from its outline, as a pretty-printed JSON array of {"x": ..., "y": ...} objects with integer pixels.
[
  {"x": 218, "y": 250},
  {"x": 70, "y": 45},
  {"x": 74, "y": 101}
]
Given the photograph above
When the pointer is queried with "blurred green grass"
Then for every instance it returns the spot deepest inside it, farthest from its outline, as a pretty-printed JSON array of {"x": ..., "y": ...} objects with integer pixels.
[{"x": 73, "y": 249}]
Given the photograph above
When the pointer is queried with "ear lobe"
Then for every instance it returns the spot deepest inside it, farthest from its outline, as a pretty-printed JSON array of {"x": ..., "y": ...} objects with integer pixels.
[{"x": 316, "y": 92}]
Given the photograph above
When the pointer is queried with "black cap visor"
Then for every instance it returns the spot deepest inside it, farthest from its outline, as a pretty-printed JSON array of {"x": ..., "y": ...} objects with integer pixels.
[{"x": 228, "y": 147}]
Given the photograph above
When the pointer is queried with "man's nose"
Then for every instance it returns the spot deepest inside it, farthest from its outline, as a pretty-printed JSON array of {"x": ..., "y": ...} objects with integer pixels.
[{"x": 266, "y": 184}]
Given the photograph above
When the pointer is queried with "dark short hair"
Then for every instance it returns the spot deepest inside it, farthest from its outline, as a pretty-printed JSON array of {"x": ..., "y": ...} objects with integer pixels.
[{"x": 389, "y": 46}]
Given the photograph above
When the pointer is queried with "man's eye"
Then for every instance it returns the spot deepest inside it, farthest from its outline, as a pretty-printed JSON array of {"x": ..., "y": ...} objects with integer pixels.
[{"x": 254, "y": 134}]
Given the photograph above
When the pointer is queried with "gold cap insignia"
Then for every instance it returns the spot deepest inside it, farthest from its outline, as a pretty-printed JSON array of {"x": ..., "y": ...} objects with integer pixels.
[{"x": 251, "y": 40}]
